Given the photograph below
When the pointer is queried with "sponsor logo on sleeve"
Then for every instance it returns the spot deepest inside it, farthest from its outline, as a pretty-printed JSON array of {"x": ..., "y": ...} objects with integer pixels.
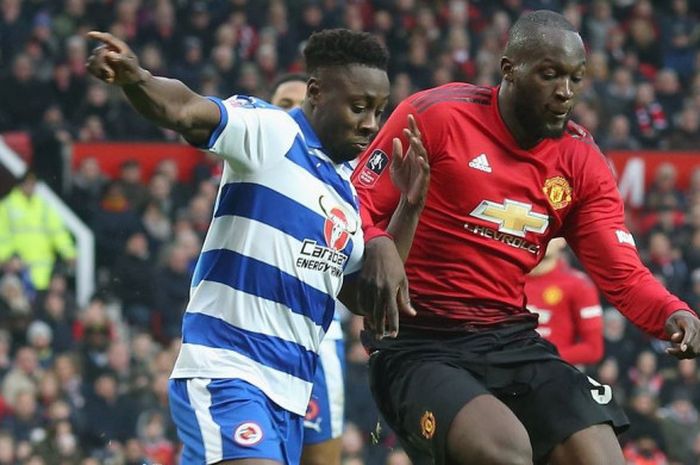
[
  {"x": 375, "y": 166},
  {"x": 624, "y": 237},
  {"x": 241, "y": 101}
]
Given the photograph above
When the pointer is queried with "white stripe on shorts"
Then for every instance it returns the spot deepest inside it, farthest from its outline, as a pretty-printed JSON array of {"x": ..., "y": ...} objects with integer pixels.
[
  {"x": 200, "y": 399},
  {"x": 333, "y": 372}
]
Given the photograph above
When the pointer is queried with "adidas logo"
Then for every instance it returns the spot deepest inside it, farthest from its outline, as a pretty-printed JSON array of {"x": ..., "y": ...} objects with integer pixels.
[{"x": 481, "y": 163}]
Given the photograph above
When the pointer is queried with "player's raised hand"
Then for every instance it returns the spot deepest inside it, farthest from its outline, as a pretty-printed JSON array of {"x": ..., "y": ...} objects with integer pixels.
[
  {"x": 113, "y": 61},
  {"x": 410, "y": 173},
  {"x": 684, "y": 329}
]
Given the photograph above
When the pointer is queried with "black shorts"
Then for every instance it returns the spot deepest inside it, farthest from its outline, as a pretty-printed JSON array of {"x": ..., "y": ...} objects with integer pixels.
[{"x": 421, "y": 380}]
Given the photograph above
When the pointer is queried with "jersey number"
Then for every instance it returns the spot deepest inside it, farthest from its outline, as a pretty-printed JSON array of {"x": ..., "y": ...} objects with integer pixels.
[{"x": 602, "y": 393}]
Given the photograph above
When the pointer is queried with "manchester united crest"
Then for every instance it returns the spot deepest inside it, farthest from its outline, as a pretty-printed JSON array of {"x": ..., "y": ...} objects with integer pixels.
[
  {"x": 427, "y": 425},
  {"x": 558, "y": 192},
  {"x": 552, "y": 295}
]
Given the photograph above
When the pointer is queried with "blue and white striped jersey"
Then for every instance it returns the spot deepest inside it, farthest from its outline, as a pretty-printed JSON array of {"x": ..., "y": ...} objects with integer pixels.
[{"x": 286, "y": 228}]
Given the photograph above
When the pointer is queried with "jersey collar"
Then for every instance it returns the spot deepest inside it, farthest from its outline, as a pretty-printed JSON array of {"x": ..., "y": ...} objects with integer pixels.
[{"x": 306, "y": 129}]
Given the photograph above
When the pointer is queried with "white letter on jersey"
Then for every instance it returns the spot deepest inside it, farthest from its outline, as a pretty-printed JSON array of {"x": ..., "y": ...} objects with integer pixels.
[{"x": 623, "y": 237}]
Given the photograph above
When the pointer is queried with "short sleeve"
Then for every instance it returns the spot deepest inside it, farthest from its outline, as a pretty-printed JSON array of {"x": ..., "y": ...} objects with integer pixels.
[{"x": 251, "y": 133}]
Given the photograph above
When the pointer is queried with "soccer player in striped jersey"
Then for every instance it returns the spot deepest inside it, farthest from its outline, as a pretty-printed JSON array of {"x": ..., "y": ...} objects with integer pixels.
[
  {"x": 285, "y": 231},
  {"x": 323, "y": 423}
]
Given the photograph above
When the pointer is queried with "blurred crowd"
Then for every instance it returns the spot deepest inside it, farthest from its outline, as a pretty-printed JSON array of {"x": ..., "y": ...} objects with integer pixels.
[{"x": 87, "y": 384}]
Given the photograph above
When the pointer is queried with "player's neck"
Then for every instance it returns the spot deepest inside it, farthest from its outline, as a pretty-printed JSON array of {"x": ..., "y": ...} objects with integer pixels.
[{"x": 506, "y": 108}]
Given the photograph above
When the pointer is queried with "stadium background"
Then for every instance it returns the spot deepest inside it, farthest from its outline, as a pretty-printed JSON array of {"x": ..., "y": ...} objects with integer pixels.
[{"x": 85, "y": 382}]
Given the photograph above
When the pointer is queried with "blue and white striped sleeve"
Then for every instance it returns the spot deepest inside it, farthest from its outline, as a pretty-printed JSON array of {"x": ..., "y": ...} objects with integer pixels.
[{"x": 251, "y": 133}]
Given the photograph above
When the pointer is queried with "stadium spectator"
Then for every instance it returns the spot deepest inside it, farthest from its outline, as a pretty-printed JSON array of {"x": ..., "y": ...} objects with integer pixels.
[
  {"x": 131, "y": 182},
  {"x": 132, "y": 281},
  {"x": 172, "y": 291},
  {"x": 599, "y": 24},
  {"x": 651, "y": 121},
  {"x": 644, "y": 376},
  {"x": 87, "y": 184},
  {"x": 619, "y": 135},
  {"x": 664, "y": 262},
  {"x": 32, "y": 229},
  {"x": 668, "y": 92},
  {"x": 53, "y": 310},
  {"x": 686, "y": 133},
  {"x": 115, "y": 220},
  {"x": 644, "y": 434},
  {"x": 663, "y": 193},
  {"x": 49, "y": 138},
  {"x": 108, "y": 414},
  {"x": 679, "y": 426},
  {"x": 23, "y": 377},
  {"x": 24, "y": 97},
  {"x": 40, "y": 337}
]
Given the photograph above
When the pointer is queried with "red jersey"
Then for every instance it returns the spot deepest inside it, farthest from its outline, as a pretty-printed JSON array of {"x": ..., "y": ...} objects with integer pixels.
[
  {"x": 569, "y": 311},
  {"x": 491, "y": 209}
]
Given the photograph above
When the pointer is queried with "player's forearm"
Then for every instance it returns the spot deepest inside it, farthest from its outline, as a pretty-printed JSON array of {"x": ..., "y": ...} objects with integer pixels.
[
  {"x": 348, "y": 296},
  {"x": 403, "y": 224},
  {"x": 171, "y": 104}
]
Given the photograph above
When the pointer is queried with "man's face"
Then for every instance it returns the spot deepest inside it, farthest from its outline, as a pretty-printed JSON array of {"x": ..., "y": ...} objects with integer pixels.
[
  {"x": 546, "y": 83},
  {"x": 289, "y": 95},
  {"x": 347, "y": 104},
  {"x": 28, "y": 186}
]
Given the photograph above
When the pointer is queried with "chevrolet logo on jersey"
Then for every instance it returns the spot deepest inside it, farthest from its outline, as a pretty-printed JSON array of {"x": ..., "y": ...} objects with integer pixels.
[{"x": 512, "y": 217}]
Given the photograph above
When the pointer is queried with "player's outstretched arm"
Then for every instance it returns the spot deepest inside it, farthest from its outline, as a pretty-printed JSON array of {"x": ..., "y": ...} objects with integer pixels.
[{"x": 167, "y": 102}]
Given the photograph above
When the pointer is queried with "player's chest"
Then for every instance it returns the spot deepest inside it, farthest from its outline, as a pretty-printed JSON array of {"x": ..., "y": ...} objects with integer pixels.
[{"x": 506, "y": 193}]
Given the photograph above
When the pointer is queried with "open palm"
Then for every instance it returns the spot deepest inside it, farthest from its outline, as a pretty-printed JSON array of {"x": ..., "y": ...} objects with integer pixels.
[{"x": 410, "y": 173}]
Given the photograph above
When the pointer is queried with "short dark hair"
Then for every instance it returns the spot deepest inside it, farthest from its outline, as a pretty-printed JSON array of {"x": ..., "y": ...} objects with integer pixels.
[
  {"x": 524, "y": 33},
  {"x": 289, "y": 77},
  {"x": 340, "y": 47}
]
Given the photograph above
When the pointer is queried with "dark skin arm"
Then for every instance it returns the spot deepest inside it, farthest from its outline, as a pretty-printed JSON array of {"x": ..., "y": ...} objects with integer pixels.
[
  {"x": 167, "y": 102},
  {"x": 684, "y": 329},
  {"x": 381, "y": 291}
]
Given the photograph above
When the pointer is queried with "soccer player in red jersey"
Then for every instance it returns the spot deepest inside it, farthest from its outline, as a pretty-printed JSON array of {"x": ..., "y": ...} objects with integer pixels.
[
  {"x": 468, "y": 380},
  {"x": 567, "y": 305}
]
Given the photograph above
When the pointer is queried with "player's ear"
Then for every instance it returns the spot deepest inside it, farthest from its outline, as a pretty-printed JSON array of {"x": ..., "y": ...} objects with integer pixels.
[
  {"x": 313, "y": 90},
  {"x": 507, "y": 68}
]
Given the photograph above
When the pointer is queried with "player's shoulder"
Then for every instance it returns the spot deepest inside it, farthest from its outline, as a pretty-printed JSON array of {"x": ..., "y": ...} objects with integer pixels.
[
  {"x": 452, "y": 94},
  {"x": 578, "y": 143},
  {"x": 249, "y": 102},
  {"x": 269, "y": 115},
  {"x": 579, "y": 139}
]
